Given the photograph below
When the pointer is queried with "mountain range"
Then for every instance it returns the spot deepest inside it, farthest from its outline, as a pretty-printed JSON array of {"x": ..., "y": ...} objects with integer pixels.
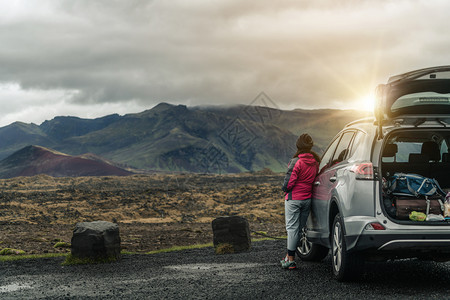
[{"x": 215, "y": 139}]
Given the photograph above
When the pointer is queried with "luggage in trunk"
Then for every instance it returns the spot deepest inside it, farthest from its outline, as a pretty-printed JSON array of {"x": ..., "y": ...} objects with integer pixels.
[{"x": 406, "y": 205}]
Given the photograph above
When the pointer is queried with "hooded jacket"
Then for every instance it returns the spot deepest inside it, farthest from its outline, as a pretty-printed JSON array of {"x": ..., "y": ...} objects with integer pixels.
[{"x": 298, "y": 182}]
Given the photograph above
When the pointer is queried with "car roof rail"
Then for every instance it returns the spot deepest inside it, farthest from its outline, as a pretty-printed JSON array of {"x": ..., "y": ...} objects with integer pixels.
[{"x": 363, "y": 120}]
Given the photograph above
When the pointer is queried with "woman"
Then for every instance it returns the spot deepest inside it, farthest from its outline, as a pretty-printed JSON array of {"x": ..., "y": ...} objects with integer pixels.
[{"x": 297, "y": 185}]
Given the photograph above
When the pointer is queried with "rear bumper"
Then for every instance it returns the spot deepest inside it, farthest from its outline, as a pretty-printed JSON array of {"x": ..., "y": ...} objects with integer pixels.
[
  {"x": 395, "y": 245},
  {"x": 403, "y": 237},
  {"x": 443, "y": 244},
  {"x": 396, "y": 241}
]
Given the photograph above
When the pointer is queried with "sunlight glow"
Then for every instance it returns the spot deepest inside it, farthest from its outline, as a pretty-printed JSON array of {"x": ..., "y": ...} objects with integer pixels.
[{"x": 366, "y": 103}]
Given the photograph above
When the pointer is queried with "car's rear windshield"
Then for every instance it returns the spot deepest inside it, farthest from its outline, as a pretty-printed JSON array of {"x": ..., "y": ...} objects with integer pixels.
[{"x": 421, "y": 97}]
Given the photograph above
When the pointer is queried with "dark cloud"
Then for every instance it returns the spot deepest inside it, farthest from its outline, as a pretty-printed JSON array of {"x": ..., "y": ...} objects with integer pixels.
[{"x": 301, "y": 53}]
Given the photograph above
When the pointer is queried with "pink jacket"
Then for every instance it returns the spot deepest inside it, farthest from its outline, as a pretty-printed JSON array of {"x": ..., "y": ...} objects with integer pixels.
[{"x": 298, "y": 182}]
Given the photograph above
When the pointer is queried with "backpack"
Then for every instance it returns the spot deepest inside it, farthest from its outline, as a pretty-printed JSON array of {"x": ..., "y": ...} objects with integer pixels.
[{"x": 402, "y": 184}]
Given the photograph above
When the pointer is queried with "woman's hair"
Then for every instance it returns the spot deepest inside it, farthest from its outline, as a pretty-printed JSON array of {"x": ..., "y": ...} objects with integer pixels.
[{"x": 304, "y": 145}]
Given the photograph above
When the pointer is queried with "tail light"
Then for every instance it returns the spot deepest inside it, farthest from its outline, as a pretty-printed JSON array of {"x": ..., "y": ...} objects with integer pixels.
[
  {"x": 374, "y": 226},
  {"x": 363, "y": 171}
]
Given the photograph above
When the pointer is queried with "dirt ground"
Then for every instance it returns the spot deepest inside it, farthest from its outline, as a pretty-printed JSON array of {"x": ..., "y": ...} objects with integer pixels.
[{"x": 152, "y": 211}]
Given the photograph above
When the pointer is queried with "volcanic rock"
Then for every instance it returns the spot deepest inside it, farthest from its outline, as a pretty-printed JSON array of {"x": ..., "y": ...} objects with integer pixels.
[
  {"x": 232, "y": 230},
  {"x": 96, "y": 240}
]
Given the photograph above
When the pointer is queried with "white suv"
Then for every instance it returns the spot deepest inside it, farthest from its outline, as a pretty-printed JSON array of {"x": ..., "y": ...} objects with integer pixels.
[{"x": 409, "y": 134}]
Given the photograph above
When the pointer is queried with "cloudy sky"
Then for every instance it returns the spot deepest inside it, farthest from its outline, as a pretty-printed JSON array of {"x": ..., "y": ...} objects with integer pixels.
[{"x": 91, "y": 58}]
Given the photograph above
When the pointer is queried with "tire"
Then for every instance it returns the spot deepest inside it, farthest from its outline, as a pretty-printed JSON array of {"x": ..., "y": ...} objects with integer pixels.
[
  {"x": 346, "y": 266},
  {"x": 308, "y": 251}
]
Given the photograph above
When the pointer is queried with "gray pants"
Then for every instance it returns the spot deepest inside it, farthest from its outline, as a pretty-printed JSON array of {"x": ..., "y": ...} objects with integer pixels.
[{"x": 296, "y": 212}]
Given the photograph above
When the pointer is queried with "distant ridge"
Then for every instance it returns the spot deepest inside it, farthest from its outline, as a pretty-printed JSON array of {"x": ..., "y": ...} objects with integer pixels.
[
  {"x": 34, "y": 160},
  {"x": 177, "y": 138}
]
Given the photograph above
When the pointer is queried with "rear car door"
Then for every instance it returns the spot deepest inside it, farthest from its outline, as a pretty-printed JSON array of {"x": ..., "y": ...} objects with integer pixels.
[
  {"x": 326, "y": 181},
  {"x": 424, "y": 93}
]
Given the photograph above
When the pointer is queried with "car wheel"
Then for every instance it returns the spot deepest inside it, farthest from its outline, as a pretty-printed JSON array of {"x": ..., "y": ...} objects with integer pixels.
[
  {"x": 346, "y": 266},
  {"x": 308, "y": 251}
]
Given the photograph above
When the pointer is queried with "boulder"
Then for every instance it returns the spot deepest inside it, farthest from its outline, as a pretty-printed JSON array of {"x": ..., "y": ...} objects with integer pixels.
[
  {"x": 232, "y": 230},
  {"x": 96, "y": 240}
]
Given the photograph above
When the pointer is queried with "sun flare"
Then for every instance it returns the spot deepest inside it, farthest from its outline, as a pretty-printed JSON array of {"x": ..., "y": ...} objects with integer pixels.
[{"x": 366, "y": 102}]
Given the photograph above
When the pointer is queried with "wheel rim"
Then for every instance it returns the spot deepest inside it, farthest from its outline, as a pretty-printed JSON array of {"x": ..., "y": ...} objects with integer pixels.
[
  {"x": 337, "y": 247},
  {"x": 305, "y": 246}
]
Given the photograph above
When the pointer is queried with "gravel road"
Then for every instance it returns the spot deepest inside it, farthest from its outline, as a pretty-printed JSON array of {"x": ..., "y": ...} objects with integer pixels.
[{"x": 200, "y": 274}]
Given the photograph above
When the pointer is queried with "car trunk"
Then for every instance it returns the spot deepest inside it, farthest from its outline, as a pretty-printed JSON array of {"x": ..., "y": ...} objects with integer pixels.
[
  {"x": 420, "y": 149},
  {"x": 416, "y": 106}
]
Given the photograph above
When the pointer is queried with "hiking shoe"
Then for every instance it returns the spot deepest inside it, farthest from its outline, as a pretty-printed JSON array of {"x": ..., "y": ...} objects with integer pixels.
[{"x": 290, "y": 265}]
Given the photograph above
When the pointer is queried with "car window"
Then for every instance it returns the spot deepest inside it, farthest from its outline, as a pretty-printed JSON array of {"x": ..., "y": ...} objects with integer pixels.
[
  {"x": 444, "y": 147},
  {"x": 342, "y": 149},
  {"x": 417, "y": 102},
  {"x": 404, "y": 151},
  {"x": 356, "y": 143},
  {"x": 424, "y": 95},
  {"x": 328, "y": 154}
]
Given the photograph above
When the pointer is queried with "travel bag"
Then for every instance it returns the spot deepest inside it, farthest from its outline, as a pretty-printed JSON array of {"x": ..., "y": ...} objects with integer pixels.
[
  {"x": 406, "y": 205},
  {"x": 407, "y": 184}
]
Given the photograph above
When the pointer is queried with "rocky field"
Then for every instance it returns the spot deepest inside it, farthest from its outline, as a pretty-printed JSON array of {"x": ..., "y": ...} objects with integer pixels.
[{"x": 153, "y": 211}]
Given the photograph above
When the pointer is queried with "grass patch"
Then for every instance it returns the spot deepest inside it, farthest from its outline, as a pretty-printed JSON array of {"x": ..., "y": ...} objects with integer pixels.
[
  {"x": 73, "y": 260},
  {"x": 10, "y": 251},
  {"x": 30, "y": 256},
  {"x": 62, "y": 245},
  {"x": 180, "y": 248},
  {"x": 128, "y": 252},
  {"x": 260, "y": 232},
  {"x": 198, "y": 246},
  {"x": 266, "y": 236},
  {"x": 269, "y": 238}
]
